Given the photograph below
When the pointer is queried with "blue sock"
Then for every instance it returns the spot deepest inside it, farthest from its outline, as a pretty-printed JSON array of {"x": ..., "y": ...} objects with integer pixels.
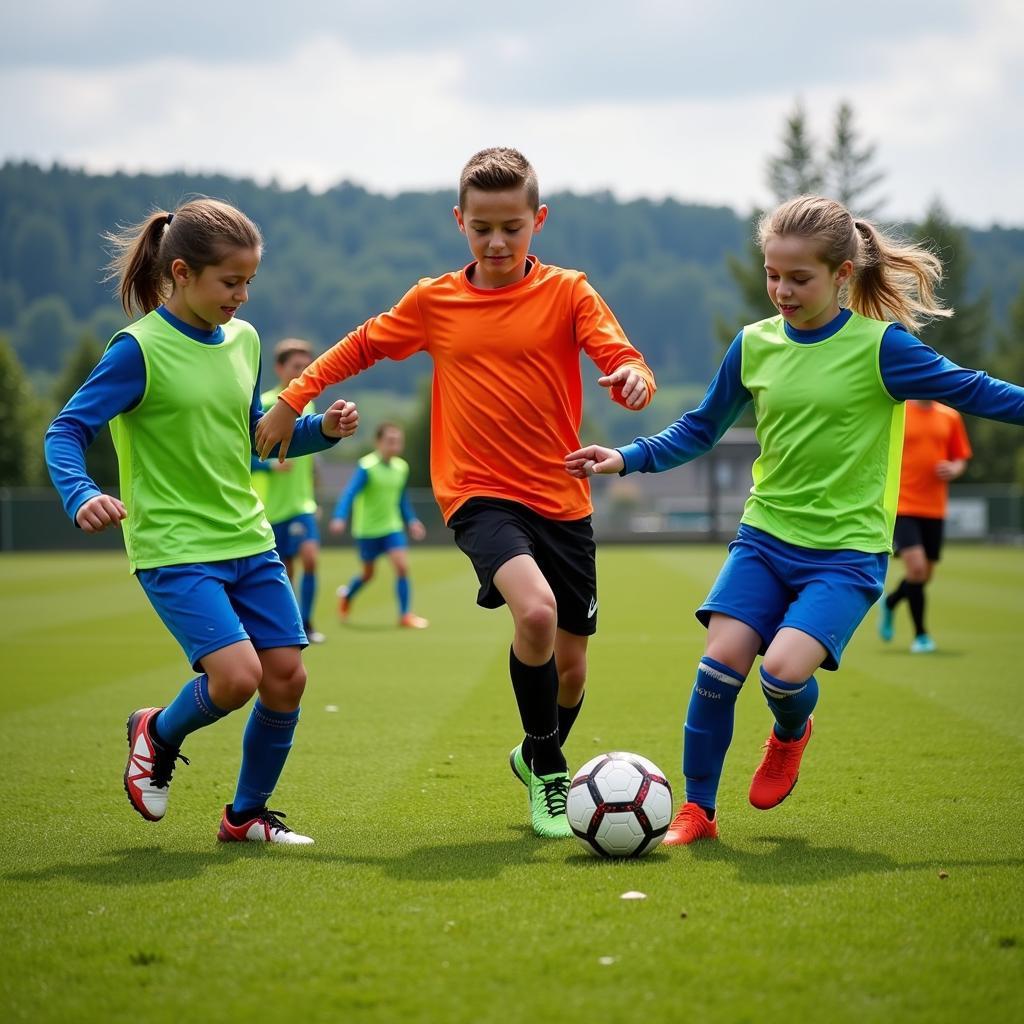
[
  {"x": 708, "y": 730},
  {"x": 404, "y": 592},
  {"x": 265, "y": 745},
  {"x": 190, "y": 710},
  {"x": 791, "y": 704},
  {"x": 355, "y": 585},
  {"x": 307, "y": 596}
]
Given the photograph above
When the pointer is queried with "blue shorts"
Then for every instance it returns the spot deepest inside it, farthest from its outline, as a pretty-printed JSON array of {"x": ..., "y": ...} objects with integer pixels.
[
  {"x": 371, "y": 548},
  {"x": 209, "y": 605},
  {"x": 291, "y": 534},
  {"x": 768, "y": 583}
]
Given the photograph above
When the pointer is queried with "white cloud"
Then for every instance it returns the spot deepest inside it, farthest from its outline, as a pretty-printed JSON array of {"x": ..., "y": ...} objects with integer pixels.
[{"x": 940, "y": 101}]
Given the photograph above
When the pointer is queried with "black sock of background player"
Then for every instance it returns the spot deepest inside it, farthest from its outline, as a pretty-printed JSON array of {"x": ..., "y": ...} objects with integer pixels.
[
  {"x": 536, "y": 690},
  {"x": 915, "y": 598},
  {"x": 897, "y": 595}
]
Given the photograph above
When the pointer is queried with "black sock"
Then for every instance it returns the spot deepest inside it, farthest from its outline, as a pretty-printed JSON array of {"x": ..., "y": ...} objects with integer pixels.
[
  {"x": 566, "y": 719},
  {"x": 536, "y": 690},
  {"x": 241, "y": 817},
  {"x": 915, "y": 598},
  {"x": 897, "y": 595}
]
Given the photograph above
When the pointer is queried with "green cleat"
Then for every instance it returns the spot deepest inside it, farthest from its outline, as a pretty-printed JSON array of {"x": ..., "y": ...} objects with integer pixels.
[
  {"x": 520, "y": 769},
  {"x": 547, "y": 805}
]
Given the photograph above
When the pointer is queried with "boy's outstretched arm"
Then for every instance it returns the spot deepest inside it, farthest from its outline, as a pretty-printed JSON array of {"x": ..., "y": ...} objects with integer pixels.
[
  {"x": 628, "y": 378},
  {"x": 396, "y": 334}
]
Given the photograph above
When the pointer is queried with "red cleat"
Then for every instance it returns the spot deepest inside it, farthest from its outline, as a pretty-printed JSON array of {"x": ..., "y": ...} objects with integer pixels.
[
  {"x": 410, "y": 621},
  {"x": 344, "y": 604},
  {"x": 263, "y": 827},
  {"x": 689, "y": 825},
  {"x": 147, "y": 775},
  {"x": 779, "y": 769}
]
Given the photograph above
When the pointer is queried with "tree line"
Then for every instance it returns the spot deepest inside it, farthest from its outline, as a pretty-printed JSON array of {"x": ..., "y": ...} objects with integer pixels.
[{"x": 682, "y": 278}]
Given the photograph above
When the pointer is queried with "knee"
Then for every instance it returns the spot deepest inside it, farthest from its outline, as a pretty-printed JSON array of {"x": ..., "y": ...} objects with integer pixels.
[
  {"x": 726, "y": 654},
  {"x": 540, "y": 618},
  {"x": 917, "y": 575},
  {"x": 287, "y": 683},
  {"x": 233, "y": 686},
  {"x": 784, "y": 667}
]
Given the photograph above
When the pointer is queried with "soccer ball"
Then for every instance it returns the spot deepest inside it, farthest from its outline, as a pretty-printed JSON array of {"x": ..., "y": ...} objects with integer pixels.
[{"x": 619, "y": 805}]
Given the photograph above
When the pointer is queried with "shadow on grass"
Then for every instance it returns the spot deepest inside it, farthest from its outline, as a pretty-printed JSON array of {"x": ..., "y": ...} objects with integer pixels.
[
  {"x": 792, "y": 860},
  {"x": 151, "y": 865}
]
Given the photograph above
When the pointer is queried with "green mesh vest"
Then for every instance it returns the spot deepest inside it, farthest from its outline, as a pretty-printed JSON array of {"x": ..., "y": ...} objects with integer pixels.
[
  {"x": 831, "y": 437},
  {"x": 184, "y": 452},
  {"x": 376, "y": 510},
  {"x": 288, "y": 494}
]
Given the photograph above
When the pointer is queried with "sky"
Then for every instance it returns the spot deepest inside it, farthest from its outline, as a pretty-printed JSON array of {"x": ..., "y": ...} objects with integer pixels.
[{"x": 640, "y": 98}]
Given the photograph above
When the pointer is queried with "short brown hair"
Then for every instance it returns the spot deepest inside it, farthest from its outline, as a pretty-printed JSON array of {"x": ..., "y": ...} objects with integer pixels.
[
  {"x": 497, "y": 169},
  {"x": 288, "y": 347},
  {"x": 386, "y": 426}
]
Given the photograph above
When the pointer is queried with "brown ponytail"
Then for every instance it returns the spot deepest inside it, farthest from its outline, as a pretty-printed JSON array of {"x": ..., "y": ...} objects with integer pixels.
[
  {"x": 892, "y": 280},
  {"x": 201, "y": 232}
]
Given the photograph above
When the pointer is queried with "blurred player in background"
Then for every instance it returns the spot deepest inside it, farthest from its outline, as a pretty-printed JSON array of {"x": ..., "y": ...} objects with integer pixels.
[
  {"x": 288, "y": 490},
  {"x": 376, "y": 502},
  {"x": 935, "y": 452}
]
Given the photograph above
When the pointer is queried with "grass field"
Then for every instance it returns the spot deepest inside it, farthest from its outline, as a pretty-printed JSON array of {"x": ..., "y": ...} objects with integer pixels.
[{"x": 889, "y": 887}]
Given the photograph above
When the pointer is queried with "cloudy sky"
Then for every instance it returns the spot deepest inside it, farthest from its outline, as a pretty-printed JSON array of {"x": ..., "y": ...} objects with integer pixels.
[{"x": 642, "y": 97}]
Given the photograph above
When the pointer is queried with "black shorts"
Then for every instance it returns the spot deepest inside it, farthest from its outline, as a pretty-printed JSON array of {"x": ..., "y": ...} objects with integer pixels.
[
  {"x": 919, "y": 531},
  {"x": 491, "y": 531}
]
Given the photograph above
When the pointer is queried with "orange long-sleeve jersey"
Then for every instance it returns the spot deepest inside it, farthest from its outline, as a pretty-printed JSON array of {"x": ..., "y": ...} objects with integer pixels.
[
  {"x": 933, "y": 433},
  {"x": 507, "y": 390}
]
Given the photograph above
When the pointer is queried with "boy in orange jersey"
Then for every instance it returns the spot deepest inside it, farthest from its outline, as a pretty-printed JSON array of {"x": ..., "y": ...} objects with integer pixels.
[
  {"x": 505, "y": 334},
  {"x": 935, "y": 451}
]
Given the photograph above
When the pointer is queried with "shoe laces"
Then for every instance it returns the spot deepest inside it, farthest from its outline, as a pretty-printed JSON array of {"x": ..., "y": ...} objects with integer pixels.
[
  {"x": 779, "y": 757},
  {"x": 163, "y": 765},
  {"x": 556, "y": 792},
  {"x": 273, "y": 819}
]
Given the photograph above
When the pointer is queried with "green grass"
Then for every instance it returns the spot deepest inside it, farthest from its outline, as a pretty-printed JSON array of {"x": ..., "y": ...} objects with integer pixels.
[{"x": 426, "y": 897}]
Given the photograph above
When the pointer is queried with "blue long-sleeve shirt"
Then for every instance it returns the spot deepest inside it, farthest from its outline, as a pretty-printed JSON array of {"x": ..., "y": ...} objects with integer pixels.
[
  {"x": 909, "y": 369},
  {"x": 116, "y": 385},
  {"x": 359, "y": 479}
]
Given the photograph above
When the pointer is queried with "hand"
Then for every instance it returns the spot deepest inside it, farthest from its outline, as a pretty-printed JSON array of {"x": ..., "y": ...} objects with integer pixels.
[
  {"x": 337, "y": 526},
  {"x": 631, "y": 384},
  {"x": 275, "y": 426},
  {"x": 417, "y": 530},
  {"x": 950, "y": 470},
  {"x": 341, "y": 420},
  {"x": 592, "y": 460},
  {"x": 96, "y": 514}
]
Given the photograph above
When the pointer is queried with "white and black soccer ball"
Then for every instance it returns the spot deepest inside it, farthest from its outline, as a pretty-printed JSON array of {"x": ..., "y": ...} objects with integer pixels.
[{"x": 620, "y": 805}]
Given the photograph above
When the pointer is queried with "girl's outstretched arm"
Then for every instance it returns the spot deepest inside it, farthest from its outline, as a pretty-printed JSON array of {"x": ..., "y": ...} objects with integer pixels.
[{"x": 693, "y": 434}]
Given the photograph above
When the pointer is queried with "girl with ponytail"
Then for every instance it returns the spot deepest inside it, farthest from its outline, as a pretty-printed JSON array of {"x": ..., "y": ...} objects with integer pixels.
[
  {"x": 180, "y": 388},
  {"x": 827, "y": 378}
]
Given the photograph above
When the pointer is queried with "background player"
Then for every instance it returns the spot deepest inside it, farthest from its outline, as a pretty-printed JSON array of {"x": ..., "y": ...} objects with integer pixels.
[
  {"x": 376, "y": 500},
  {"x": 288, "y": 490},
  {"x": 935, "y": 451}
]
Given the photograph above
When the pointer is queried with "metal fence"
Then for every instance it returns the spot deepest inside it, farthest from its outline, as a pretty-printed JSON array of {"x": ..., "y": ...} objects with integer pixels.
[{"x": 637, "y": 509}]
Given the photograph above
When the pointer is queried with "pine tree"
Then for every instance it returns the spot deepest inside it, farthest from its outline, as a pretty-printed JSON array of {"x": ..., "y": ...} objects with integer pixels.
[
  {"x": 19, "y": 422},
  {"x": 796, "y": 170},
  {"x": 962, "y": 336},
  {"x": 848, "y": 174}
]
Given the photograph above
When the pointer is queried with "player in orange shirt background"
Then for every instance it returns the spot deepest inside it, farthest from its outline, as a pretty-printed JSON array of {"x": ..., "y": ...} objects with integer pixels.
[
  {"x": 505, "y": 335},
  {"x": 935, "y": 451}
]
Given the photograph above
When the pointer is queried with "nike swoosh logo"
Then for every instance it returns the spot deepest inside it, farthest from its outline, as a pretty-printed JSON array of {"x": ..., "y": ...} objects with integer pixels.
[{"x": 593, "y": 608}]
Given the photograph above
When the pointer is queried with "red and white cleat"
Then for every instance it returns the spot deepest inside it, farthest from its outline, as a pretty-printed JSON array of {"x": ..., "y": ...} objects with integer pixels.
[
  {"x": 262, "y": 827},
  {"x": 147, "y": 775},
  {"x": 410, "y": 621},
  {"x": 690, "y": 824}
]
